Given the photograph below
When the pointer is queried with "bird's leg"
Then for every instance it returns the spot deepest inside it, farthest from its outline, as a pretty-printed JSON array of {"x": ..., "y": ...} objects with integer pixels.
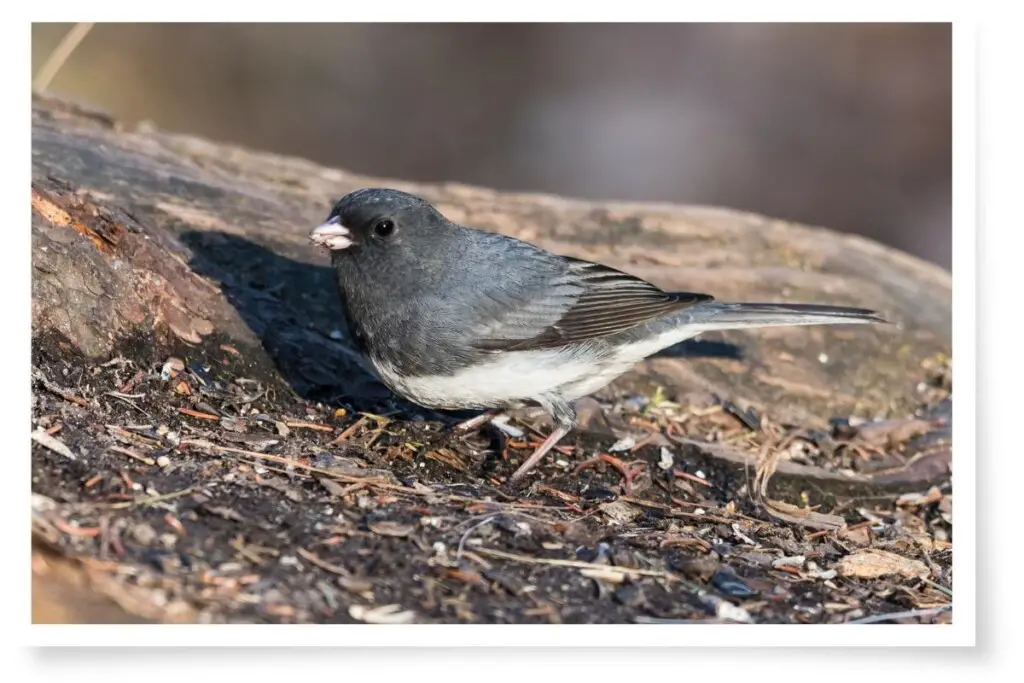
[
  {"x": 565, "y": 420},
  {"x": 478, "y": 421}
]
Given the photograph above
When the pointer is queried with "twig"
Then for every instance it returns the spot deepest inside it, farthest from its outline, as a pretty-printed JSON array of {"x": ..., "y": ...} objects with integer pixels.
[
  {"x": 132, "y": 454},
  {"x": 370, "y": 481},
  {"x": 51, "y": 442},
  {"x": 299, "y": 424},
  {"x": 323, "y": 564},
  {"x": 576, "y": 564},
  {"x": 60, "y": 54},
  {"x": 350, "y": 430},
  {"x": 469, "y": 531},
  {"x": 875, "y": 618},
  {"x": 152, "y": 499},
  {"x": 53, "y": 388},
  {"x": 127, "y": 399},
  {"x": 196, "y": 413},
  {"x": 691, "y": 477},
  {"x": 937, "y": 586}
]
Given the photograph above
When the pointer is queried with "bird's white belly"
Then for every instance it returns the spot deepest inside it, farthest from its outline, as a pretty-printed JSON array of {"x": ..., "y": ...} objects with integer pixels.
[
  {"x": 514, "y": 377},
  {"x": 507, "y": 379}
]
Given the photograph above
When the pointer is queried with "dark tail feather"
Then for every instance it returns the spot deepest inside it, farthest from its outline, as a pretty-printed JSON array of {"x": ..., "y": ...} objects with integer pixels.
[{"x": 728, "y": 316}]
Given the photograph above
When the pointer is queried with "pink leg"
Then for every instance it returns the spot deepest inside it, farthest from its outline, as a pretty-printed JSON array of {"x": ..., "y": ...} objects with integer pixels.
[
  {"x": 541, "y": 451},
  {"x": 477, "y": 422}
]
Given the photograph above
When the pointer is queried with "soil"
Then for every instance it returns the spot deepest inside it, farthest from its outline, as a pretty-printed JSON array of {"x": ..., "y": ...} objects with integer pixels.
[{"x": 227, "y": 498}]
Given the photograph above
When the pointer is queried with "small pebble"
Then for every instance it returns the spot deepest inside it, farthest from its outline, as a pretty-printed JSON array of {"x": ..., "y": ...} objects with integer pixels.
[
  {"x": 163, "y": 461},
  {"x": 822, "y": 358},
  {"x": 667, "y": 460},
  {"x": 731, "y": 585},
  {"x": 144, "y": 534},
  {"x": 598, "y": 493},
  {"x": 629, "y": 595},
  {"x": 172, "y": 366},
  {"x": 623, "y": 444},
  {"x": 792, "y": 561}
]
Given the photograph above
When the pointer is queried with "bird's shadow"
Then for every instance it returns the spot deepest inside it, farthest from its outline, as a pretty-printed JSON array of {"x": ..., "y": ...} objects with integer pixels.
[{"x": 293, "y": 308}]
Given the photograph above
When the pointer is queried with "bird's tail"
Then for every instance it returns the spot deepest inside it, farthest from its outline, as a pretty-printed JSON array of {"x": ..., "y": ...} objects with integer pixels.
[{"x": 727, "y": 316}]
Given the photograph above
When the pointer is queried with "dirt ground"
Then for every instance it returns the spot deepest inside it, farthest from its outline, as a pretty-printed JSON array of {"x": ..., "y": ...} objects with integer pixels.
[{"x": 198, "y": 491}]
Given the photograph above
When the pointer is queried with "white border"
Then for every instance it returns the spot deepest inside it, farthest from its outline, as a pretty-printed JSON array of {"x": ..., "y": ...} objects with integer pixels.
[{"x": 961, "y": 632}]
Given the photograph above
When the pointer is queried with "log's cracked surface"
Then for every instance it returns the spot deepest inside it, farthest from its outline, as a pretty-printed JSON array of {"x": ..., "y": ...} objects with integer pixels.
[{"x": 147, "y": 244}]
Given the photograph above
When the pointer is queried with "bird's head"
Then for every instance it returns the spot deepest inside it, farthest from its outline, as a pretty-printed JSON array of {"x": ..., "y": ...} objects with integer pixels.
[{"x": 376, "y": 219}]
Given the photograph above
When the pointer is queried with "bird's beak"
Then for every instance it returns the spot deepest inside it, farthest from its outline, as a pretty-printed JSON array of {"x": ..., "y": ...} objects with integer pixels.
[{"x": 332, "y": 235}]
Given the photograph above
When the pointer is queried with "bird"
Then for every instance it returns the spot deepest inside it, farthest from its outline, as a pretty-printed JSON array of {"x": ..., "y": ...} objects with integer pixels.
[{"x": 458, "y": 318}]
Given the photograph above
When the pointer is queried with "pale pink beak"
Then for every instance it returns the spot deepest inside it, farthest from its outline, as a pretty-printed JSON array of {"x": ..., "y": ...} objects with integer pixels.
[{"x": 332, "y": 235}]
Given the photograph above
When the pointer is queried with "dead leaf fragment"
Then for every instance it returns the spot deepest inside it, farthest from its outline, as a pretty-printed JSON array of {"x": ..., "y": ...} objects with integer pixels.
[
  {"x": 620, "y": 512},
  {"x": 387, "y": 528},
  {"x": 386, "y": 614},
  {"x": 608, "y": 575},
  {"x": 872, "y": 564},
  {"x": 51, "y": 442},
  {"x": 859, "y": 535}
]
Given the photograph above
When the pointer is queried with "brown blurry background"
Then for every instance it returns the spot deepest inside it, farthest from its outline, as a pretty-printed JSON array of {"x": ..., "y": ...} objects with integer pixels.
[{"x": 846, "y": 126}]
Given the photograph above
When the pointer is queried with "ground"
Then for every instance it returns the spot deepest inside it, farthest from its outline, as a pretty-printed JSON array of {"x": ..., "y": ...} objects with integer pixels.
[{"x": 200, "y": 493}]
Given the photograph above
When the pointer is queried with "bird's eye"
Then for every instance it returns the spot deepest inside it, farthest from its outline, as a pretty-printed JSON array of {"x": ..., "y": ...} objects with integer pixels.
[{"x": 384, "y": 228}]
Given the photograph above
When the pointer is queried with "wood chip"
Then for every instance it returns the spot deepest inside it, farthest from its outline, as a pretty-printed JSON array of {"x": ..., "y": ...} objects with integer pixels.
[
  {"x": 620, "y": 512},
  {"x": 132, "y": 454},
  {"x": 386, "y": 614},
  {"x": 870, "y": 563},
  {"x": 51, "y": 442},
  {"x": 604, "y": 574},
  {"x": 387, "y": 528},
  {"x": 802, "y": 516}
]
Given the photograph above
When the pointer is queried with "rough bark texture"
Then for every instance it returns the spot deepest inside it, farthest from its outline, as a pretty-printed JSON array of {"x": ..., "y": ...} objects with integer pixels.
[{"x": 141, "y": 234}]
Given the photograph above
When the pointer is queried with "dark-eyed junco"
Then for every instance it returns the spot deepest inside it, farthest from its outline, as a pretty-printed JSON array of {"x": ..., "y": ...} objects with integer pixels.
[{"x": 451, "y": 317}]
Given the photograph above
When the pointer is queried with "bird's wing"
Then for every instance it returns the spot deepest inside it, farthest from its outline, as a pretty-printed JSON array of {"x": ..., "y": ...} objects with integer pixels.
[{"x": 578, "y": 301}]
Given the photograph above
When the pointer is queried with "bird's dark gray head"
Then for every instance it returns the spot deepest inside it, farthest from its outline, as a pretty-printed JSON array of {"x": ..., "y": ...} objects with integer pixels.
[{"x": 374, "y": 219}]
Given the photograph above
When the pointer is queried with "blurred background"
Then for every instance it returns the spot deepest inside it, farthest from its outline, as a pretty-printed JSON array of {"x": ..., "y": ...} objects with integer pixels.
[{"x": 841, "y": 125}]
